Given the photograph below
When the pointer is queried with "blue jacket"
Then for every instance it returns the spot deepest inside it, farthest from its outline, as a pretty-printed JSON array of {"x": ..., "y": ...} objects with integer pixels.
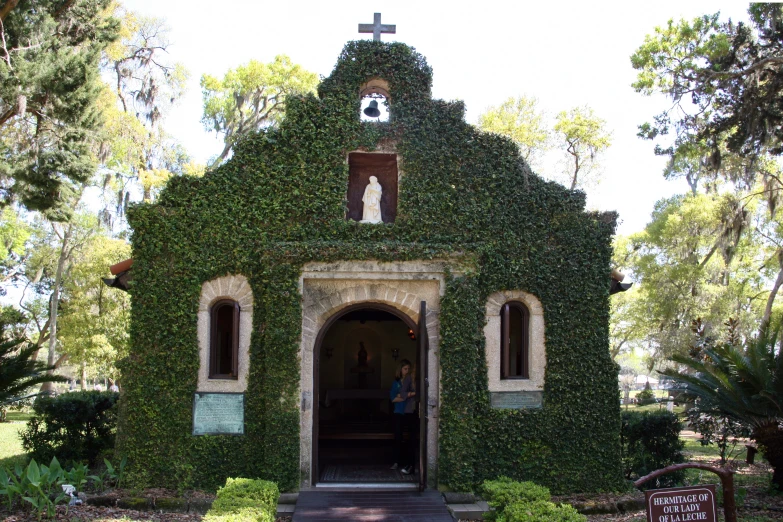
[{"x": 399, "y": 407}]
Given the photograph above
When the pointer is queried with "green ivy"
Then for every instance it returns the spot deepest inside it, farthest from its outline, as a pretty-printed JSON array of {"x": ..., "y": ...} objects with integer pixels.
[{"x": 280, "y": 202}]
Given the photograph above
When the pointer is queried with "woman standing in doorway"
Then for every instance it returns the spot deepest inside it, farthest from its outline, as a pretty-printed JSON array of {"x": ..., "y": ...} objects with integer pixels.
[{"x": 403, "y": 397}]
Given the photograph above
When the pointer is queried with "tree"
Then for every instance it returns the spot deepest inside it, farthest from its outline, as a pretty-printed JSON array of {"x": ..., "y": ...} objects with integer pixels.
[
  {"x": 146, "y": 82},
  {"x": 744, "y": 384},
  {"x": 49, "y": 84},
  {"x": 251, "y": 97},
  {"x": 19, "y": 371},
  {"x": 725, "y": 81},
  {"x": 55, "y": 248},
  {"x": 136, "y": 152},
  {"x": 521, "y": 120},
  {"x": 95, "y": 318},
  {"x": 583, "y": 138},
  {"x": 689, "y": 264},
  {"x": 14, "y": 233}
]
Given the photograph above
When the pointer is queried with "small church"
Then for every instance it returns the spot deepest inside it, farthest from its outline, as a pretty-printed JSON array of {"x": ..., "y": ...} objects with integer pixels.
[{"x": 275, "y": 300}]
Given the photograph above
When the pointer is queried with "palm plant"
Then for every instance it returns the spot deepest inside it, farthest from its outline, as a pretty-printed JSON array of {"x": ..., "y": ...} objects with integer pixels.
[
  {"x": 19, "y": 370},
  {"x": 744, "y": 384}
]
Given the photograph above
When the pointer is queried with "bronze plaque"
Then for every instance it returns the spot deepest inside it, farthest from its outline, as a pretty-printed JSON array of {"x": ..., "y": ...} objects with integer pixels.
[
  {"x": 691, "y": 504},
  {"x": 521, "y": 400},
  {"x": 219, "y": 414}
]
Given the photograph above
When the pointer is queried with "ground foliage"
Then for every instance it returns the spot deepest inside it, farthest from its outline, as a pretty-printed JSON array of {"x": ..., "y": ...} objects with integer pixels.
[{"x": 280, "y": 202}]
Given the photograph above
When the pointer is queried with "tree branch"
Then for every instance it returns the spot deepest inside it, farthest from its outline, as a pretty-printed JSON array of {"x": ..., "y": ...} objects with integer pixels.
[
  {"x": 67, "y": 5},
  {"x": 7, "y": 8},
  {"x": 758, "y": 65}
]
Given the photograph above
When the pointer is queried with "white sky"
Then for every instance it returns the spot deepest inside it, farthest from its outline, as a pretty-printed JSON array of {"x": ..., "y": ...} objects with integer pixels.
[{"x": 564, "y": 53}]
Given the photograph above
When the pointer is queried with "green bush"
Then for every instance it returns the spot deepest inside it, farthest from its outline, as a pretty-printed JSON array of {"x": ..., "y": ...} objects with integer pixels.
[
  {"x": 74, "y": 427},
  {"x": 540, "y": 511},
  {"x": 524, "y": 502},
  {"x": 651, "y": 441},
  {"x": 646, "y": 396},
  {"x": 503, "y": 491},
  {"x": 245, "y": 500},
  {"x": 244, "y": 515}
]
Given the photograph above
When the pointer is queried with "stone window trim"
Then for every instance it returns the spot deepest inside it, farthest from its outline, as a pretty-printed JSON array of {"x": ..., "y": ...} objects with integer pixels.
[
  {"x": 235, "y": 288},
  {"x": 536, "y": 342}
]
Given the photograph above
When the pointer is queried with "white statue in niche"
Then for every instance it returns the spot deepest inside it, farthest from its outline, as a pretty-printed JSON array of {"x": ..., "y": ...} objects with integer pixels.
[{"x": 372, "y": 202}]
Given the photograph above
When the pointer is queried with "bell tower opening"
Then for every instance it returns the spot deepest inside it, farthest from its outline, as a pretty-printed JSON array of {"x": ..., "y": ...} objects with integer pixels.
[
  {"x": 358, "y": 361},
  {"x": 375, "y": 104}
]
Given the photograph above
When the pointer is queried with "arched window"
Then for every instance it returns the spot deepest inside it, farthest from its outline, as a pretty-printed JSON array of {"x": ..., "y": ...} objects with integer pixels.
[
  {"x": 514, "y": 341},
  {"x": 224, "y": 340}
]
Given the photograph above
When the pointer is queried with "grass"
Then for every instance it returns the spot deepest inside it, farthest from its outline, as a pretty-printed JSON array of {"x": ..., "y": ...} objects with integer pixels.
[
  {"x": 19, "y": 416},
  {"x": 678, "y": 410},
  {"x": 11, "y": 451},
  {"x": 757, "y": 475}
]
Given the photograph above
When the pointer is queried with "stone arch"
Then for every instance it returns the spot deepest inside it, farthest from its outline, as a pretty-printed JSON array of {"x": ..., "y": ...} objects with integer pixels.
[
  {"x": 236, "y": 288},
  {"x": 536, "y": 342},
  {"x": 316, "y": 315}
]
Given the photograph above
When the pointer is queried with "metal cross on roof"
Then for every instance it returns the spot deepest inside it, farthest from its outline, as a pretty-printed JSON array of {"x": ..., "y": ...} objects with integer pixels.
[{"x": 376, "y": 28}]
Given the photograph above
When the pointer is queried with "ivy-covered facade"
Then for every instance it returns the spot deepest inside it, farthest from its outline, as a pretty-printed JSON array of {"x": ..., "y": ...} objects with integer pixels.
[{"x": 466, "y": 201}]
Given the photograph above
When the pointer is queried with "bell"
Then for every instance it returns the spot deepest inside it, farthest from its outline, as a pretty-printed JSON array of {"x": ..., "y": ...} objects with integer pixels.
[{"x": 372, "y": 110}]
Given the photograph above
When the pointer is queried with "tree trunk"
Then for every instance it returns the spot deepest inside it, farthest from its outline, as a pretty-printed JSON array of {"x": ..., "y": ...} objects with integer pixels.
[
  {"x": 55, "y": 301},
  {"x": 770, "y": 441},
  {"x": 770, "y": 301},
  {"x": 84, "y": 376}
]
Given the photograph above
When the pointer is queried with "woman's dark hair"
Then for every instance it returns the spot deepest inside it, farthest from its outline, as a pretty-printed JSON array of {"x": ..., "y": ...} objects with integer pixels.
[{"x": 404, "y": 362}]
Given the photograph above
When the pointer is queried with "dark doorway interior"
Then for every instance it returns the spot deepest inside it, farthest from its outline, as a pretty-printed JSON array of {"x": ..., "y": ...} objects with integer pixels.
[{"x": 359, "y": 354}]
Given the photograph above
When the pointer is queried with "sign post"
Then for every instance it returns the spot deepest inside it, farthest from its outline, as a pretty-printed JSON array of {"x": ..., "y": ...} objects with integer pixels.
[{"x": 691, "y": 504}]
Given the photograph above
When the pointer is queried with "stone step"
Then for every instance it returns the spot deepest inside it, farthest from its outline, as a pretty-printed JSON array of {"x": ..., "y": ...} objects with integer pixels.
[{"x": 472, "y": 511}]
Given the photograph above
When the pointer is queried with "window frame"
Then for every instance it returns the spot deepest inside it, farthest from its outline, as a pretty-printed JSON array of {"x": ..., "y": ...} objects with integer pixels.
[
  {"x": 505, "y": 341},
  {"x": 213, "y": 355}
]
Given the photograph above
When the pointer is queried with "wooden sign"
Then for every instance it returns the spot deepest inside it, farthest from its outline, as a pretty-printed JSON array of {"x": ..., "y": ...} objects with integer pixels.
[
  {"x": 691, "y": 504},
  {"x": 219, "y": 414},
  {"x": 516, "y": 400}
]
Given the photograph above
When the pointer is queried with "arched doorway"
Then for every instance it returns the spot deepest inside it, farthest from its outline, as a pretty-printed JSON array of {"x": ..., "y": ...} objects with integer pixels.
[{"x": 356, "y": 355}]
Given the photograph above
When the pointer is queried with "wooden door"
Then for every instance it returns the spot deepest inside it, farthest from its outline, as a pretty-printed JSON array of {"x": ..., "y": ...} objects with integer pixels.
[{"x": 422, "y": 387}]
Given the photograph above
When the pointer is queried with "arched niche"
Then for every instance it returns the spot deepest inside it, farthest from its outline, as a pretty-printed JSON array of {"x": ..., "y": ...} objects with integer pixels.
[{"x": 375, "y": 90}]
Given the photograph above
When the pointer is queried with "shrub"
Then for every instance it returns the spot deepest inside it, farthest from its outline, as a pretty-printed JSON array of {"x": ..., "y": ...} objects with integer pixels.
[
  {"x": 540, "y": 511},
  {"x": 651, "y": 441},
  {"x": 245, "y": 500},
  {"x": 646, "y": 396},
  {"x": 503, "y": 491},
  {"x": 718, "y": 429},
  {"x": 524, "y": 502},
  {"x": 74, "y": 427}
]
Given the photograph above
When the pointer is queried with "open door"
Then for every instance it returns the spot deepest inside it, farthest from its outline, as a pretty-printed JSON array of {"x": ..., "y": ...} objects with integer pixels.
[{"x": 422, "y": 386}]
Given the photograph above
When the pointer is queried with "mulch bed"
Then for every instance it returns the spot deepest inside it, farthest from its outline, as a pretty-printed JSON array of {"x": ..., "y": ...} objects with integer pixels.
[{"x": 105, "y": 514}]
